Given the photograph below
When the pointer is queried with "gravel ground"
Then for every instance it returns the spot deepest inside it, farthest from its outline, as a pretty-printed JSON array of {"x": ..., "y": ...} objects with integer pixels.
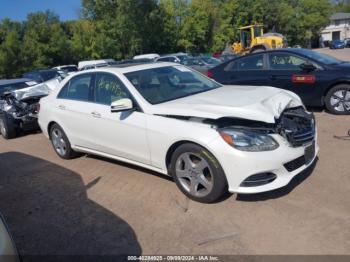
[
  {"x": 92, "y": 205},
  {"x": 342, "y": 54}
]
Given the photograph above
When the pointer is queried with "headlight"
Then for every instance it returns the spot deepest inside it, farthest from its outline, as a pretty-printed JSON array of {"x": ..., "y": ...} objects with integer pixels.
[{"x": 248, "y": 140}]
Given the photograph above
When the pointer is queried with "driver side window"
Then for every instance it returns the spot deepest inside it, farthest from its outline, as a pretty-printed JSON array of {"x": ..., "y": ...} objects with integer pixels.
[
  {"x": 280, "y": 61},
  {"x": 108, "y": 88}
]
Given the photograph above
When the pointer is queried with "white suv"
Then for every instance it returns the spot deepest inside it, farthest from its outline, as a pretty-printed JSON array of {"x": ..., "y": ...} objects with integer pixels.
[{"x": 165, "y": 117}]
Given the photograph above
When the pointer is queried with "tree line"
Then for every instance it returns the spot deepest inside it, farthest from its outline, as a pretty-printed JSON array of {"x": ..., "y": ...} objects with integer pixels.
[{"x": 120, "y": 29}]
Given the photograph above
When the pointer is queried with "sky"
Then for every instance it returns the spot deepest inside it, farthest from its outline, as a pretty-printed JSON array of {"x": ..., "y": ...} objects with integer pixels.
[{"x": 18, "y": 9}]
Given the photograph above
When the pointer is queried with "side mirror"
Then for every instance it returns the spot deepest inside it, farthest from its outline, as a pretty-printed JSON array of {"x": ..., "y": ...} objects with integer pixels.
[
  {"x": 123, "y": 104},
  {"x": 308, "y": 67}
]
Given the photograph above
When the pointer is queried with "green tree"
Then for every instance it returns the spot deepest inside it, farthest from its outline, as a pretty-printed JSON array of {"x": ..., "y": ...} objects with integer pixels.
[
  {"x": 342, "y": 6},
  {"x": 197, "y": 29},
  {"x": 225, "y": 24},
  {"x": 10, "y": 59},
  {"x": 44, "y": 42}
]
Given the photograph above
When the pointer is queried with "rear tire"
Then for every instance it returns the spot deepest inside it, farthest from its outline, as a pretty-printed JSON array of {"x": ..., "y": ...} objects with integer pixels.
[
  {"x": 198, "y": 174},
  {"x": 8, "y": 128},
  {"x": 61, "y": 144},
  {"x": 337, "y": 100}
]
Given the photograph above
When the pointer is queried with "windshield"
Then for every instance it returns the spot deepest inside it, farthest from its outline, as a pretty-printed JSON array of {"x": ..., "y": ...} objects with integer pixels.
[
  {"x": 47, "y": 75},
  {"x": 257, "y": 31},
  {"x": 69, "y": 68},
  {"x": 158, "y": 85},
  {"x": 182, "y": 57},
  {"x": 322, "y": 58}
]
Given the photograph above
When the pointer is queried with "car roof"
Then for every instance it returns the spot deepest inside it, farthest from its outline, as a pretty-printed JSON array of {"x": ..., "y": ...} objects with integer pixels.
[
  {"x": 57, "y": 67},
  {"x": 165, "y": 56},
  {"x": 14, "y": 81},
  {"x": 127, "y": 68},
  {"x": 288, "y": 50},
  {"x": 41, "y": 70}
]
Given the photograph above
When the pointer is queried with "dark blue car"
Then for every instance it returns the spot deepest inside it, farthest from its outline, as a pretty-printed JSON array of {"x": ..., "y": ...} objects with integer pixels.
[
  {"x": 337, "y": 44},
  {"x": 319, "y": 80}
]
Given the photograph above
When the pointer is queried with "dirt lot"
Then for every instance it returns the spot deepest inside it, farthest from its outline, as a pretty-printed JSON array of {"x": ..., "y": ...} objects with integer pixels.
[
  {"x": 342, "y": 54},
  {"x": 92, "y": 205}
]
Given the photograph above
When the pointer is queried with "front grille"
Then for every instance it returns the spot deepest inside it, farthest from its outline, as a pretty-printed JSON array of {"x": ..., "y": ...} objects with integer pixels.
[
  {"x": 297, "y": 126},
  {"x": 295, "y": 164}
]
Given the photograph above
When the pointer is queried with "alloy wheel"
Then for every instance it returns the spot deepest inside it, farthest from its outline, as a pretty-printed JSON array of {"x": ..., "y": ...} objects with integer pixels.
[
  {"x": 194, "y": 174},
  {"x": 340, "y": 100},
  {"x": 59, "y": 142}
]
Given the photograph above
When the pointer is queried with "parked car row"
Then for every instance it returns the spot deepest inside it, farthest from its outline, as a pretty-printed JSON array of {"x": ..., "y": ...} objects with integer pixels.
[{"x": 203, "y": 131}]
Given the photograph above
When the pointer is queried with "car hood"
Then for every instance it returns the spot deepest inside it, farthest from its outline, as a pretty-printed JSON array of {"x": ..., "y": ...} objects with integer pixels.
[
  {"x": 260, "y": 103},
  {"x": 343, "y": 66},
  {"x": 39, "y": 90}
]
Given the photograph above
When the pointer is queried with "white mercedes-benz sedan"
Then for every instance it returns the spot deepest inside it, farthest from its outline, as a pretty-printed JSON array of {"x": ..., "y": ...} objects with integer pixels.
[{"x": 165, "y": 117}]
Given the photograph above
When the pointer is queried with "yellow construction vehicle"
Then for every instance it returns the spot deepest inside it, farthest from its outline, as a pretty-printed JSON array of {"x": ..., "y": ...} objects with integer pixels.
[{"x": 253, "y": 39}]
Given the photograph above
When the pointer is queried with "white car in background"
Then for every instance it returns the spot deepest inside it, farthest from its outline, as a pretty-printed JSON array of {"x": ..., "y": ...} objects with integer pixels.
[
  {"x": 146, "y": 56},
  {"x": 69, "y": 69},
  {"x": 89, "y": 64},
  {"x": 170, "y": 119}
]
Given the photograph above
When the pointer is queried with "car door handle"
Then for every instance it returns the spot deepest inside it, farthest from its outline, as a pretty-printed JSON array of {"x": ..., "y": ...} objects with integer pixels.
[
  {"x": 96, "y": 114},
  {"x": 62, "y": 107}
]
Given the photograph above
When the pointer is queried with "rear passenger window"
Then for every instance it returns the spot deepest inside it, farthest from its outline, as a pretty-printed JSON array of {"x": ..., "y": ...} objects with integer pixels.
[
  {"x": 255, "y": 62},
  {"x": 78, "y": 88},
  {"x": 231, "y": 66}
]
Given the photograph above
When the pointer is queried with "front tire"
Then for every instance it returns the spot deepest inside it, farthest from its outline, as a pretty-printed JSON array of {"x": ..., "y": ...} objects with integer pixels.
[
  {"x": 8, "y": 128},
  {"x": 61, "y": 143},
  {"x": 337, "y": 100},
  {"x": 198, "y": 174}
]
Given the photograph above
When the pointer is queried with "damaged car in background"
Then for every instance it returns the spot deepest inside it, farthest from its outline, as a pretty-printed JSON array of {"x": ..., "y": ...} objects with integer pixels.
[
  {"x": 212, "y": 139},
  {"x": 19, "y": 104}
]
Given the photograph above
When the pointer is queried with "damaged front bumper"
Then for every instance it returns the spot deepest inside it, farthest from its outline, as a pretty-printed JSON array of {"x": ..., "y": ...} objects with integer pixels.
[
  {"x": 255, "y": 172},
  {"x": 280, "y": 165}
]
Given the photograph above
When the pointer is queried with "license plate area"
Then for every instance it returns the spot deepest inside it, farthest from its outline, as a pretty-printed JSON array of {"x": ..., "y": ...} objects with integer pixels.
[{"x": 309, "y": 153}]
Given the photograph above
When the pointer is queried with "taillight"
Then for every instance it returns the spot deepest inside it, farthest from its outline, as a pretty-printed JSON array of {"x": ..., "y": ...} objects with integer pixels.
[
  {"x": 304, "y": 79},
  {"x": 210, "y": 74}
]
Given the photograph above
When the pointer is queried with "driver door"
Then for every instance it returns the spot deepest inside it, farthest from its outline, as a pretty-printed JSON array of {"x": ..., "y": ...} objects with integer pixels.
[
  {"x": 285, "y": 73},
  {"x": 121, "y": 134}
]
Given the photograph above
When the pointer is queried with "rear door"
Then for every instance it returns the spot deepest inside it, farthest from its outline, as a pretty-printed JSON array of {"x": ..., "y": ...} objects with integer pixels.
[
  {"x": 249, "y": 70},
  {"x": 73, "y": 109},
  {"x": 285, "y": 73}
]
